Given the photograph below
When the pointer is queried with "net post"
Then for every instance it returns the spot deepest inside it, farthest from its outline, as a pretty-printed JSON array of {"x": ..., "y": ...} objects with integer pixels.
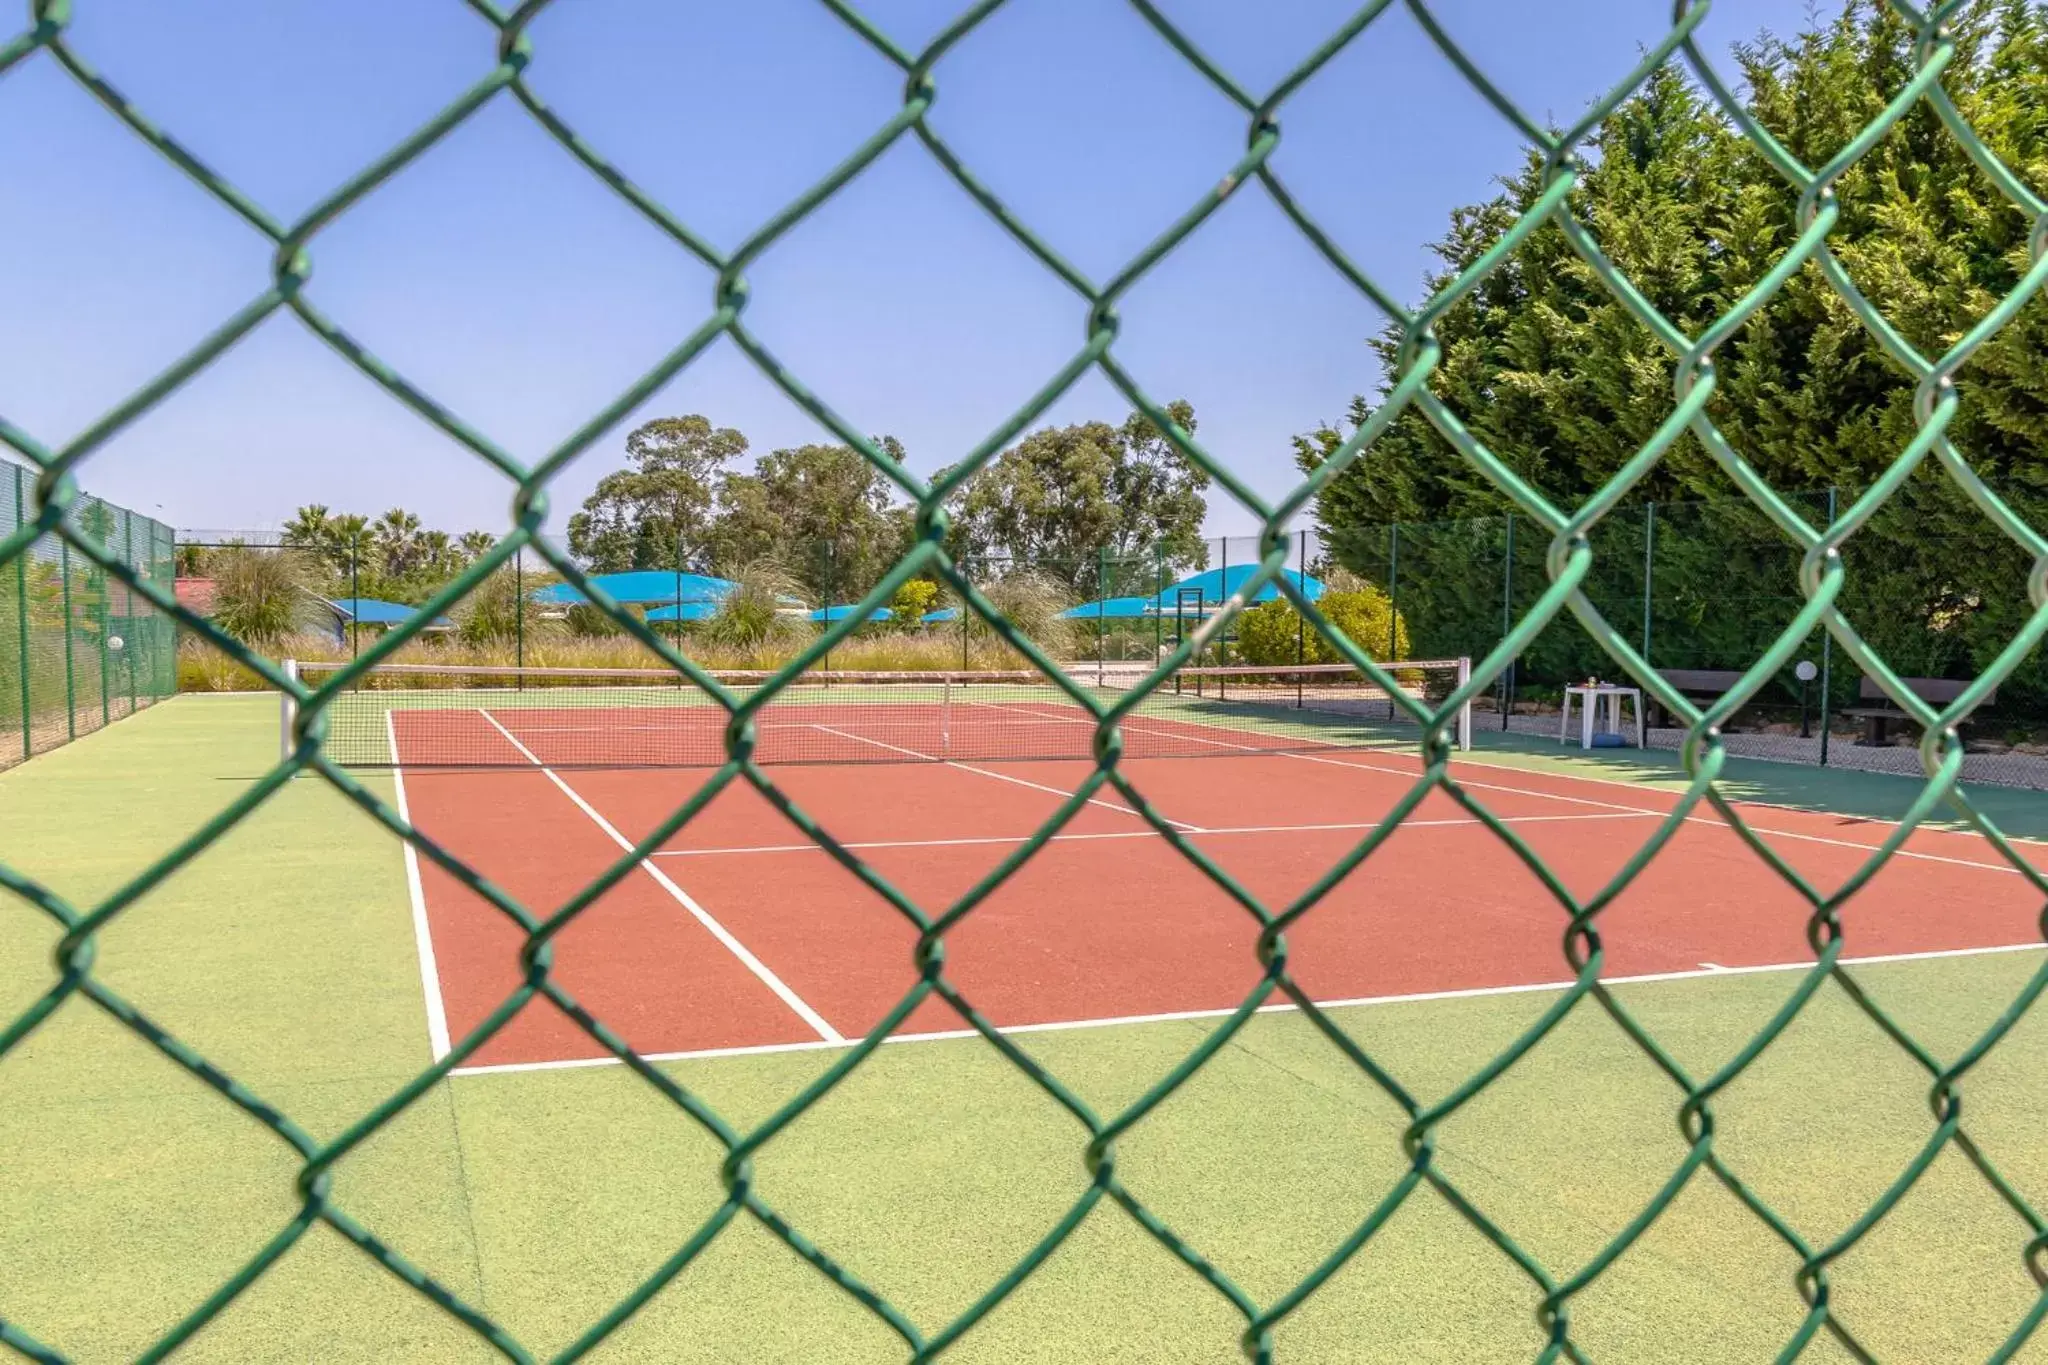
[
  {"x": 1465, "y": 708},
  {"x": 287, "y": 711}
]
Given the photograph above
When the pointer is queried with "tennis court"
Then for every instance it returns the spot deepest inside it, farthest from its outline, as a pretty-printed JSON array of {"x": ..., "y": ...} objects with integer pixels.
[
  {"x": 741, "y": 931},
  {"x": 315, "y": 962}
]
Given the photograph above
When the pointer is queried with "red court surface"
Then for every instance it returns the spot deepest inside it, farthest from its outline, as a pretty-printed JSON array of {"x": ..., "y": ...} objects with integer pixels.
[{"x": 740, "y": 934}]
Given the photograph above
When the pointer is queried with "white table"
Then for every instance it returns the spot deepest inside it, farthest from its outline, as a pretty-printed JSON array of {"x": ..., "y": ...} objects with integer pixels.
[{"x": 1590, "y": 699}]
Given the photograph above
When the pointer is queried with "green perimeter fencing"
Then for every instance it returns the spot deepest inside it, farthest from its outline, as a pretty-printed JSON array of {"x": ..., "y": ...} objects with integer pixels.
[
  {"x": 1569, "y": 575},
  {"x": 1936, "y": 590},
  {"x": 79, "y": 648}
]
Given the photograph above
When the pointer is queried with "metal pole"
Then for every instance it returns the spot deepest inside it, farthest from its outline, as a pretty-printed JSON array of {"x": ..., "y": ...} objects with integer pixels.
[
  {"x": 105, "y": 591},
  {"x": 1393, "y": 587},
  {"x": 355, "y": 595},
  {"x": 1158, "y": 611},
  {"x": 1101, "y": 605},
  {"x": 1301, "y": 623},
  {"x": 1222, "y": 592},
  {"x": 1827, "y": 651},
  {"x": 519, "y": 617},
  {"x": 128, "y": 558},
  {"x": 1507, "y": 625},
  {"x": 21, "y": 608},
  {"x": 1649, "y": 545},
  {"x": 70, "y": 685}
]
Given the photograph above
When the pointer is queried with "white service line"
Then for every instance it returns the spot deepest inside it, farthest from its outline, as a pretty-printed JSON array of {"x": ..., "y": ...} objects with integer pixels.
[
  {"x": 422, "y": 934},
  {"x": 1715, "y": 821},
  {"x": 1180, "y": 825},
  {"x": 760, "y": 969},
  {"x": 1135, "y": 834},
  {"x": 1285, "y": 1007}
]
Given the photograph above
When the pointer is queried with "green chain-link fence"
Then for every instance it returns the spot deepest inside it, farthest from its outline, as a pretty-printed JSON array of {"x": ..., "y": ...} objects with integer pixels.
[
  {"x": 79, "y": 648},
  {"x": 1711, "y": 584},
  {"x": 1562, "y": 539}
]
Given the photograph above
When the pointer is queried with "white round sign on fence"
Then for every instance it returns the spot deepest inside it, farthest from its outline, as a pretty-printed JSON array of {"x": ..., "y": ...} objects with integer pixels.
[{"x": 113, "y": 642}]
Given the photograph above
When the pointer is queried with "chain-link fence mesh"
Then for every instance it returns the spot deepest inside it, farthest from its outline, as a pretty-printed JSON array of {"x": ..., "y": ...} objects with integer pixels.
[
  {"x": 1567, "y": 573},
  {"x": 79, "y": 648},
  {"x": 1710, "y": 585}
]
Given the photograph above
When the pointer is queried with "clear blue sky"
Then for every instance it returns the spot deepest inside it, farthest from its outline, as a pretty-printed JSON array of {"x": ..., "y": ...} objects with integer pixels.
[{"x": 520, "y": 292}]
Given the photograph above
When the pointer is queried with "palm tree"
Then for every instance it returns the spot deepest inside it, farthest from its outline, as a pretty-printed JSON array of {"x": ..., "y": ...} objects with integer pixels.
[
  {"x": 349, "y": 545},
  {"x": 474, "y": 545},
  {"x": 435, "y": 552},
  {"x": 310, "y": 527},
  {"x": 396, "y": 534}
]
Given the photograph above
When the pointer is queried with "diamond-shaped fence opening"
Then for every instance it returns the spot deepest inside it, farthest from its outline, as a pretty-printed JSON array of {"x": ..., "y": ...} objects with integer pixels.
[{"x": 1566, "y": 587}]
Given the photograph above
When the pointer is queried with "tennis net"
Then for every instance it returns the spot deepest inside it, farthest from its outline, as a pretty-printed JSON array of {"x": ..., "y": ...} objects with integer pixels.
[{"x": 435, "y": 716}]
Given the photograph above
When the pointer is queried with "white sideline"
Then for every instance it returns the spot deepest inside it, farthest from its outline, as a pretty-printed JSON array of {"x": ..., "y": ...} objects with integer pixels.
[
  {"x": 1181, "y": 1016},
  {"x": 826, "y": 1033},
  {"x": 1255, "y": 751},
  {"x": 422, "y": 934}
]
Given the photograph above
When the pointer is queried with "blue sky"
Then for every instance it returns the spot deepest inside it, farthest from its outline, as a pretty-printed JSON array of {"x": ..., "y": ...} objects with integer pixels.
[{"x": 516, "y": 289}]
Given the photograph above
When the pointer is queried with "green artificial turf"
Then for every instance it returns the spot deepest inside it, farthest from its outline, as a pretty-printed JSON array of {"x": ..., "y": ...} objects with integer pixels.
[{"x": 129, "y": 1190}]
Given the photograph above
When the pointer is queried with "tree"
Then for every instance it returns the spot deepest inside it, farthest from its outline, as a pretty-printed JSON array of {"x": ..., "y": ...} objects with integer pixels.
[
  {"x": 645, "y": 516},
  {"x": 396, "y": 536},
  {"x": 474, "y": 545},
  {"x": 1548, "y": 370},
  {"x": 1063, "y": 497},
  {"x": 825, "y": 511},
  {"x": 310, "y": 527}
]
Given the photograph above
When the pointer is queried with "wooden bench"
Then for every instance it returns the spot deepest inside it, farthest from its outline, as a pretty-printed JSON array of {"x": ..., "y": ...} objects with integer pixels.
[
  {"x": 1694, "y": 684},
  {"x": 1877, "y": 720}
]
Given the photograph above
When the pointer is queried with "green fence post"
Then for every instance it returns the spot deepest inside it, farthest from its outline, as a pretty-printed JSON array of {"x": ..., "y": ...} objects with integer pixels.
[
  {"x": 355, "y": 596},
  {"x": 1649, "y": 544},
  {"x": 519, "y": 619},
  {"x": 1393, "y": 589},
  {"x": 1158, "y": 606},
  {"x": 1507, "y": 624},
  {"x": 1101, "y": 600},
  {"x": 105, "y": 593},
  {"x": 1301, "y": 622},
  {"x": 21, "y": 602},
  {"x": 128, "y": 558},
  {"x": 70, "y": 679},
  {"x": 1827, "y": 651}
]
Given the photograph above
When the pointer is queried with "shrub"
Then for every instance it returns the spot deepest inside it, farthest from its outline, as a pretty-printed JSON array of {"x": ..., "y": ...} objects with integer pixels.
[
  {"x": 1274, "y": 633},
  {"x": 764, "y": 607},
  {"x": 263, "y": 597},
  {"x": 908, "y": 607}
]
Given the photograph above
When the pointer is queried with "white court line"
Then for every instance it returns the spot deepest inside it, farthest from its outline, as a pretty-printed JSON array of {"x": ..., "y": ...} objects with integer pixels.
[
  {"x": 760, "y": 969},
  {"x": 1286, "y": 1007},
  {"x": 1249, "y": 749},
  {"x": 422, "y": 934},
  {"x": 1204, "y": 833},
  {"x": 1180, "y": 825}
]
